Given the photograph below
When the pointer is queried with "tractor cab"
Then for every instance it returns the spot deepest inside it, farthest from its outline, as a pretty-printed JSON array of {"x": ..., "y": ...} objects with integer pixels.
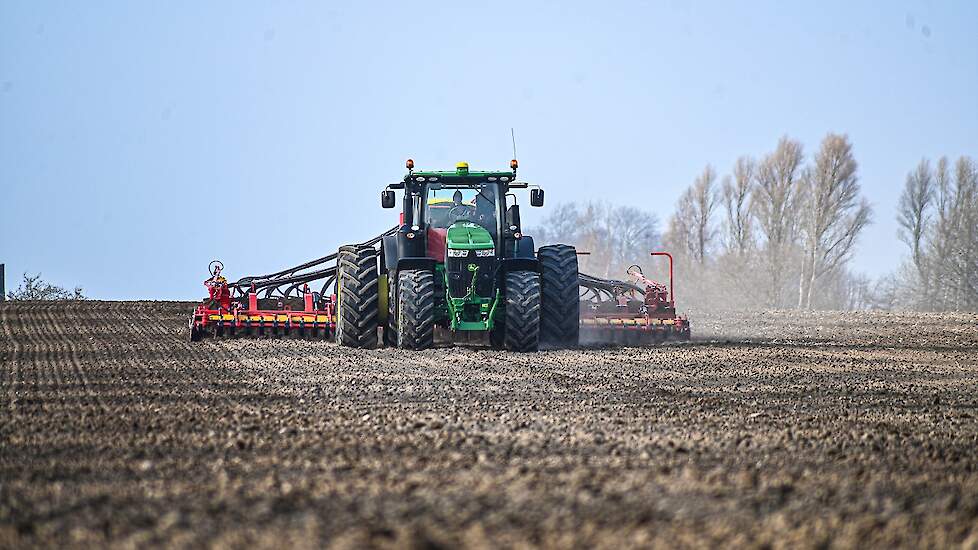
[
  {"x": 436, "y": 201},
  {"x": 445, "y": 205}
]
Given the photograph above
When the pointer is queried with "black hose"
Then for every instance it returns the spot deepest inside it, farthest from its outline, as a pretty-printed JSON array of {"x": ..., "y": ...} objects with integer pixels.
[
  {"x": 292, "y": 278},
  {"x": 592, "y": 282}
]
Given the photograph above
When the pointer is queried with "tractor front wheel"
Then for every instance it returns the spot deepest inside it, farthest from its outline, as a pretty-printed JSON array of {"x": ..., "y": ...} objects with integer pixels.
[
  {"x": 521, "y": 329},
  {"x": 356, "y": 291},
  {"x": 415, "y": 309}
]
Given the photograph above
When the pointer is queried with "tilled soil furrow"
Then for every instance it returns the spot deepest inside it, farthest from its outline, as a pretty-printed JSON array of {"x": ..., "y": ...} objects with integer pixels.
[
  {"x": 154, "y": 352},
  {"x": 35, "y": 348},
  {"x": 11, "y": 372},
  {"x": 814, "y": 430},
  {"x": 59, "y": 358},
  {"x": 60, "y": 320}
]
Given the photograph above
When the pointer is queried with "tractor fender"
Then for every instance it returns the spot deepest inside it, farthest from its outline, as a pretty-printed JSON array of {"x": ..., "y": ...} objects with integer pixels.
[
  {"x": 388, "y": 251},
  {"x": 523, "y": 247},
  {"x": 397, "y": 246}
]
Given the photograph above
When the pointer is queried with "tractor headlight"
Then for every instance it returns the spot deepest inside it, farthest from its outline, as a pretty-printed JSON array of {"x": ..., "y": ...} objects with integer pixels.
[
  {"x": 485, "y": 253},
  {"x": 455, "y": 253}
]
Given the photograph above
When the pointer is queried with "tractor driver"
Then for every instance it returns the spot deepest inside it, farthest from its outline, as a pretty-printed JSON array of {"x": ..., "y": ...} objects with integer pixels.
[
  {"x": 459, "y": 210},
  {"x": 483, "y": 212},
  {"x": 480, "y": 209}
]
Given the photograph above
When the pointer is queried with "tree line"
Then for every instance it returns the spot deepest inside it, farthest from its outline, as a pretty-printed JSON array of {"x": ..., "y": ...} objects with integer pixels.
[
  {"x": 777, "y": 232},
  {"x": 780, "y": 231},
  {"x": 35, "y": 288},
  {"x": 938, "y": 217}
]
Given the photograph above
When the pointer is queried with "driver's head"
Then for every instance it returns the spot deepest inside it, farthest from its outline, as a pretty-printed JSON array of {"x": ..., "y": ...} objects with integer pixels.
[{"x": 457, "y": 197}]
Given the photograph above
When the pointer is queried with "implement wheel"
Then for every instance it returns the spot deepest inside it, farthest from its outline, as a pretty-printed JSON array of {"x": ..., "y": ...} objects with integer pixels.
[
  {"x": 521, "y": 329},
  {"x": 195, "y": 334},
  {"x": 415, "y": 309},
  {"x": 356, "y": 291},
  {"x": 560, "y": 316}
]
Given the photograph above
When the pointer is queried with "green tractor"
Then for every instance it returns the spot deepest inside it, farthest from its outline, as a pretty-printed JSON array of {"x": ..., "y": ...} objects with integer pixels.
[{"x": 460, "y": 261}]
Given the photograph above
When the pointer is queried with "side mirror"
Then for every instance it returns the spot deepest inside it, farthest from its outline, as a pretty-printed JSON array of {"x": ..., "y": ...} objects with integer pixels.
[
  {"x": 387, "y": 198},
  {"x": 536, "y": 197}
]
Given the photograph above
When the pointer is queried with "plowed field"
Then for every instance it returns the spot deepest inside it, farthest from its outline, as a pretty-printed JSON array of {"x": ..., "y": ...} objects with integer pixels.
[{"x": 777, "y": 429}]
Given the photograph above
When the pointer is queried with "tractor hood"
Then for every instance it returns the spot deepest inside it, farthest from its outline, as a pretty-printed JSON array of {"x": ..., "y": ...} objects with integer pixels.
[{"x": 468, "y": 236}]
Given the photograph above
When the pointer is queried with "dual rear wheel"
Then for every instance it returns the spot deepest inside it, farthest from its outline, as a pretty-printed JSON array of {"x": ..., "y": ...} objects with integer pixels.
[
  {"x": 537, "y": 309},
  {"x": 541, "y": 309},
  {"x": 357, "y": 293}
]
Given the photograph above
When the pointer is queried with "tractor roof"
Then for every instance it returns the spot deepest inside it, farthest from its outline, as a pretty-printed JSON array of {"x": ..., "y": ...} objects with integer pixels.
[
  {"x": 461, "y": 177},
  {"x": 464, "y": 178}
]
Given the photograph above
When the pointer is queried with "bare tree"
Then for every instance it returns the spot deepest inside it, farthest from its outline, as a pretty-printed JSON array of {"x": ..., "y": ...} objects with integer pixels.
[
  {"x": 561, "y": 225},
  {"x": 964, "y": 260},
  {"x": 705, "y": 198},
  {"x": 775, "y": 205},
  {"x": 938, "y": 215},
  {"x": 942, "y": 233},
  {"x": 912, "y": 215},
  {"x": 680, "y": 226},
  {"x": 739, "y": 223},
  {"x": 595, "y": 234},
  {"x": 833, "y": 214},
  {"x": 636, "y": 234},
  {"x": 614, "y": 236},
  {"x": 692, "y": 224},
  {"x": 952, "y": 246},
  {"x": 34, "y": 288}
]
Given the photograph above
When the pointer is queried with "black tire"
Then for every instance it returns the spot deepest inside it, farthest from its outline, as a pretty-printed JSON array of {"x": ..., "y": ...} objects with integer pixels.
[
  {"x": 522, "y": 322},
  {"x": 356, "y": 282},
  {"x": 195, "y": 335},
  {"x": 560, "y": 306},
  {"x": 415, "y": 309}
]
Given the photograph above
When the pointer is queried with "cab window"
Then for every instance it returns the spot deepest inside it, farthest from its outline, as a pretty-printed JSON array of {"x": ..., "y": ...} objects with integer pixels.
[{"x": 447, "y": 205}]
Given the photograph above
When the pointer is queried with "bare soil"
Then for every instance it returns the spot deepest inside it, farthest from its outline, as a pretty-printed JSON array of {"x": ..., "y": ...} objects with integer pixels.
[{"x": 768, "y": 430}]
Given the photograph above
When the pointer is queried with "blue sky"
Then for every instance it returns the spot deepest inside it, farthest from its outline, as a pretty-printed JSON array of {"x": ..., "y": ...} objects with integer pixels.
[{"x": 140, "y": 140}]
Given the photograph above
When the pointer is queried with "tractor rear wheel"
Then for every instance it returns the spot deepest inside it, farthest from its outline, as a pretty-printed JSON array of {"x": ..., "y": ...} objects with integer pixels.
[
  {"x": 560, "y": 316},
  {"x": 521, "y": 329},
  {"x": 356, "y": 290},
  {"x": 415, "y": 309}
]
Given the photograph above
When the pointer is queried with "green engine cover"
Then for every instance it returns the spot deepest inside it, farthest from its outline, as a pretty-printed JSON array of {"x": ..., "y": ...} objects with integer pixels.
[
  {"x": 468, "y": 236},
  {"x": 471, "y": 296}
]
